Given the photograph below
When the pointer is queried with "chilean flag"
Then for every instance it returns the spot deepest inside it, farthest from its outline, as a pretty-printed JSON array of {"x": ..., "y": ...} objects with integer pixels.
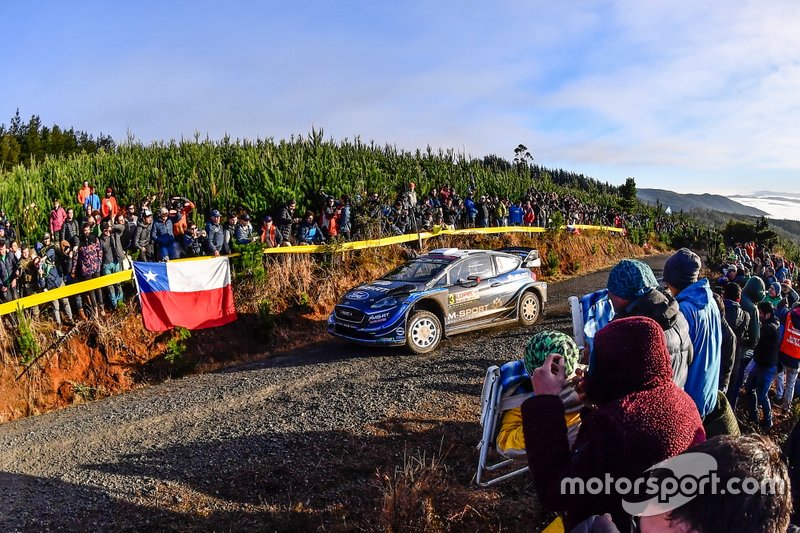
[{"x": 191, "y": 294}]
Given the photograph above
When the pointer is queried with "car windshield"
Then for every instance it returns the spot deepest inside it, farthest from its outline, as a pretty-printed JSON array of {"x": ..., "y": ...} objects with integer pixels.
[{"x": 419, "y": 270}]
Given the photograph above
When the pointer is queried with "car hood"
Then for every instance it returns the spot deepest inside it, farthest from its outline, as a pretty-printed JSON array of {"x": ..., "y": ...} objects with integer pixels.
[{"x": 378, "y": 289}]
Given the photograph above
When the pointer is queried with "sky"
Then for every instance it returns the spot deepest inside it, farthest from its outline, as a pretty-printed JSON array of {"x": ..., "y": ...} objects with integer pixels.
[{"x": 691, "y": 96}]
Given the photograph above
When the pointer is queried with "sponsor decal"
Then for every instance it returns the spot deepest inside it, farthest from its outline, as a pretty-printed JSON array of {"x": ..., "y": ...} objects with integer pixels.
[
  {"x": 497, "y": 303},
  {"x": 357, "y": 295},
  {"x": 518, "y": 276},
  {"x": 375, "y": 288},
  {"x": 464, "y": 296},
  {"x": 400, "y": 332},
  {"x": 380, "y": 317},
  {"x": 466, "y": 314},
  {"x": 381, "y": 282}
]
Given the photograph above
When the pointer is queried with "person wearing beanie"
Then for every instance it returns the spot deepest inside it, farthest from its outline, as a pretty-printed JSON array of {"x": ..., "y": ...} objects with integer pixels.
[
  {"x": 765, "y": 359},
  {"x": 516, "y": 377},
  {"x": 633, "y": 291},
  {"x": 641, "y": 418},
  {"x": 774, "y": 295},
  {"x": 789, "y": 293},
  {"x": 694, "y": 297}
]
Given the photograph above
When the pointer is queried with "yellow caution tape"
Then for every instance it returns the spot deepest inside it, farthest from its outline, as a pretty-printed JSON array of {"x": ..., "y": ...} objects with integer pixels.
[
  {"x": 375, "y": 243},
  {"x": 76, "y": 288},
  {"x": 65, "y": 291},
  {"x": 127, "y": 275}
]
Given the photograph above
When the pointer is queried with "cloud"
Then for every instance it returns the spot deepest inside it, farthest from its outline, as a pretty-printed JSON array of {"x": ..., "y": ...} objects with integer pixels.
[{"x": 690, "y": 91}]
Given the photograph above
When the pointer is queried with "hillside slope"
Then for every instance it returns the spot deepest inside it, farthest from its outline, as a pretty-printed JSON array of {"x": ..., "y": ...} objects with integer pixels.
[{"x": 689, "y": 202}]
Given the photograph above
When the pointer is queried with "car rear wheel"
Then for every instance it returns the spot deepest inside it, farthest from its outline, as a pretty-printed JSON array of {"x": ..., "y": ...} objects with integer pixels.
[
  {"x": 529, "y": 309},
  {"x": 423, "y": 333}
]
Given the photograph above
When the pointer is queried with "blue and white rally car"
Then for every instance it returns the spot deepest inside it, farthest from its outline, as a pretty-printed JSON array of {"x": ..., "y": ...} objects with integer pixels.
[{"x": 443, "y": 292}]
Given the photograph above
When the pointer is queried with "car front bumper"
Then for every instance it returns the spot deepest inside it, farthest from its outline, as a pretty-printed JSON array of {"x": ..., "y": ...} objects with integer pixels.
[{"x": 390, "y": 334}]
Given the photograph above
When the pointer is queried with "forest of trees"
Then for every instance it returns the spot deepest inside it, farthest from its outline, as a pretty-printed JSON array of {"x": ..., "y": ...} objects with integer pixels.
[{"x": 22, "y": 143}]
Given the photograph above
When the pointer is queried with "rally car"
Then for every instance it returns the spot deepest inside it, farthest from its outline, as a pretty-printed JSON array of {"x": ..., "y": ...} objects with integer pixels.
[{"x": 443, "y": 292}]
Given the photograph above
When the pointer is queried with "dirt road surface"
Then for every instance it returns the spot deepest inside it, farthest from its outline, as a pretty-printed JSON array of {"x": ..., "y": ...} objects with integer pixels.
[{"x": 306, "y": 441}]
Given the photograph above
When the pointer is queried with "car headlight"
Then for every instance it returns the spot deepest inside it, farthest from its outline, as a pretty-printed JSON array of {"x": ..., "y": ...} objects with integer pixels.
[{"x": 383, "y": 303}]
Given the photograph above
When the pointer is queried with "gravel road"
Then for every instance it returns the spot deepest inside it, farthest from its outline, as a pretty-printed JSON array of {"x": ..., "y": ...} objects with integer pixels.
[{"x": 289, "y": 443}]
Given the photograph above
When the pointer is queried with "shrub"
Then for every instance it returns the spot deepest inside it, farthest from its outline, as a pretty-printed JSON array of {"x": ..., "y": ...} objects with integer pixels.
[
  {"x": 552, "y": 262},
  {"x": 27, "y": 341},
  {"x": 556, "y": 221},
  {"x": 176, "y": 347},
  {"x": 266, "y": 318}
]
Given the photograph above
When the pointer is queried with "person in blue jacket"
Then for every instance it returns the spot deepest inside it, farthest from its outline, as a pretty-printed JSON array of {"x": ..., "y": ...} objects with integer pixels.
[
  {"x": 515, "y": 214},
  {"x": 697, "y": 304},
  {"x": 470, "y": 211}
]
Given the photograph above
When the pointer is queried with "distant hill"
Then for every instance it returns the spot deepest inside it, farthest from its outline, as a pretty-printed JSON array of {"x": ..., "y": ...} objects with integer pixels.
[
  {"x": 690, "y": 202},
  {"x": 789, "y": 229}
]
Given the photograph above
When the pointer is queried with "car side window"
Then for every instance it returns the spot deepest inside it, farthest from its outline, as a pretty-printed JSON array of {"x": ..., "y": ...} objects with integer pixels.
[
  {"x": 480, "y": 266},
  {"x": 506, "y": 264},
  {"x": 443, "y": 281}
]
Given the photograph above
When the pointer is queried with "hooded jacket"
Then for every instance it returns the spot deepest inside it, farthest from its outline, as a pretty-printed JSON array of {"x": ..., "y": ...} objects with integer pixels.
[
  {"x": 705, "y": 329},
  {"x": 752, "y": 293},
  {"x": 737, "y": 319},
  {"x": 142, "y": 238},
  {"x": 765, "y": 354},
  {"x": 664, "y": 309},
  {"x": 642, "y": 418}
]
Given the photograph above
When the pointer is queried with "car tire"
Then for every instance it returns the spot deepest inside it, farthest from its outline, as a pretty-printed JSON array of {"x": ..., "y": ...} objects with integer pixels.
[
  {"x": 423, "y": 332},
  {"x": 529, "y": 308}
]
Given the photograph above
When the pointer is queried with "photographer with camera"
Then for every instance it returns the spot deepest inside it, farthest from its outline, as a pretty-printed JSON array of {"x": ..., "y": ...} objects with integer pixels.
[
  {"x": 179, "y": 209},
  {"x": 193, "y": 241}
]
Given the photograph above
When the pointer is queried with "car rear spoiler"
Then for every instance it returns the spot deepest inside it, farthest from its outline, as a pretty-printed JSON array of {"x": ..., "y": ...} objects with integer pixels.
[{"x": 530, "y": 256}]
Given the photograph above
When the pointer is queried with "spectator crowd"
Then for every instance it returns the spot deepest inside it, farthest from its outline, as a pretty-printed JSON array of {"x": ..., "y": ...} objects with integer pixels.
[
  {"x": 97, "y": 234},
  {"x": 668, "y": 363}
]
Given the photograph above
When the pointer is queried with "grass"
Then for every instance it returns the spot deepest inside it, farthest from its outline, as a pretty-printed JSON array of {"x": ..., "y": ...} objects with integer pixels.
[{"x": 411, "y": 493}]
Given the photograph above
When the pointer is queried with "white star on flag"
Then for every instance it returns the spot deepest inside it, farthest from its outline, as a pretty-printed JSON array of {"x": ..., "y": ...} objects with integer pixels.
[{"x": 150, "y": 276}]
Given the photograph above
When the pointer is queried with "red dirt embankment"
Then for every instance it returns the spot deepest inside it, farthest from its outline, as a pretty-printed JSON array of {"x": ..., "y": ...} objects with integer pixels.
[{"x": 115, "y": 354}]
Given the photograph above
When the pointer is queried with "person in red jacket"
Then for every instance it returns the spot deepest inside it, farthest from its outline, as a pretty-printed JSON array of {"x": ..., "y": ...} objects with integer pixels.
[
  {"x": 270, "y": 234},
  {"x": 84, "y": 193},
  {"x": 640, "y": 418},
  {"x": 57, "y": 218},
  {"x": 183, "y": 207},
  {"x": 108, "y": 205}
]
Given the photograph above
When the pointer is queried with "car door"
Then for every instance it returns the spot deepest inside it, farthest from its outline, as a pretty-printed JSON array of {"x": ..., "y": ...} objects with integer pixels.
[
  {"x": 467, "y": 293},
  {"x": 507, "y": 282}
]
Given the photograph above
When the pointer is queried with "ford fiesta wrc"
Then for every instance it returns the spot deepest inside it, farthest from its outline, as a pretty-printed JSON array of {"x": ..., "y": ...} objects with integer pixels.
[{"x": 441, "y": 293}]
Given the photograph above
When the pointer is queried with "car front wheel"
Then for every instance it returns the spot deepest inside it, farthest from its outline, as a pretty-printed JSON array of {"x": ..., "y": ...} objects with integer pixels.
[
  {"x": 529, "y": 308},
  {"x": 423, "y": 333}
]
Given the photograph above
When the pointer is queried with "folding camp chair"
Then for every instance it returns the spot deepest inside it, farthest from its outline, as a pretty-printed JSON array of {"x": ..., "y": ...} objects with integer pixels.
[
  {"x": 496, "y": 398},
  {"x": 589, "y": 314}
]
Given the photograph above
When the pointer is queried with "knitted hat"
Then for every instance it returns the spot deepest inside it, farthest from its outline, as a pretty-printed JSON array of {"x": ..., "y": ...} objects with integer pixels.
[
  {"x": 682, "y": 268},
  {"x": 630, "y": 354},
  {"x": 545, "y": 343},
  {"x": 775, "y": 286},
  {"x": 630, "y": 279}
]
